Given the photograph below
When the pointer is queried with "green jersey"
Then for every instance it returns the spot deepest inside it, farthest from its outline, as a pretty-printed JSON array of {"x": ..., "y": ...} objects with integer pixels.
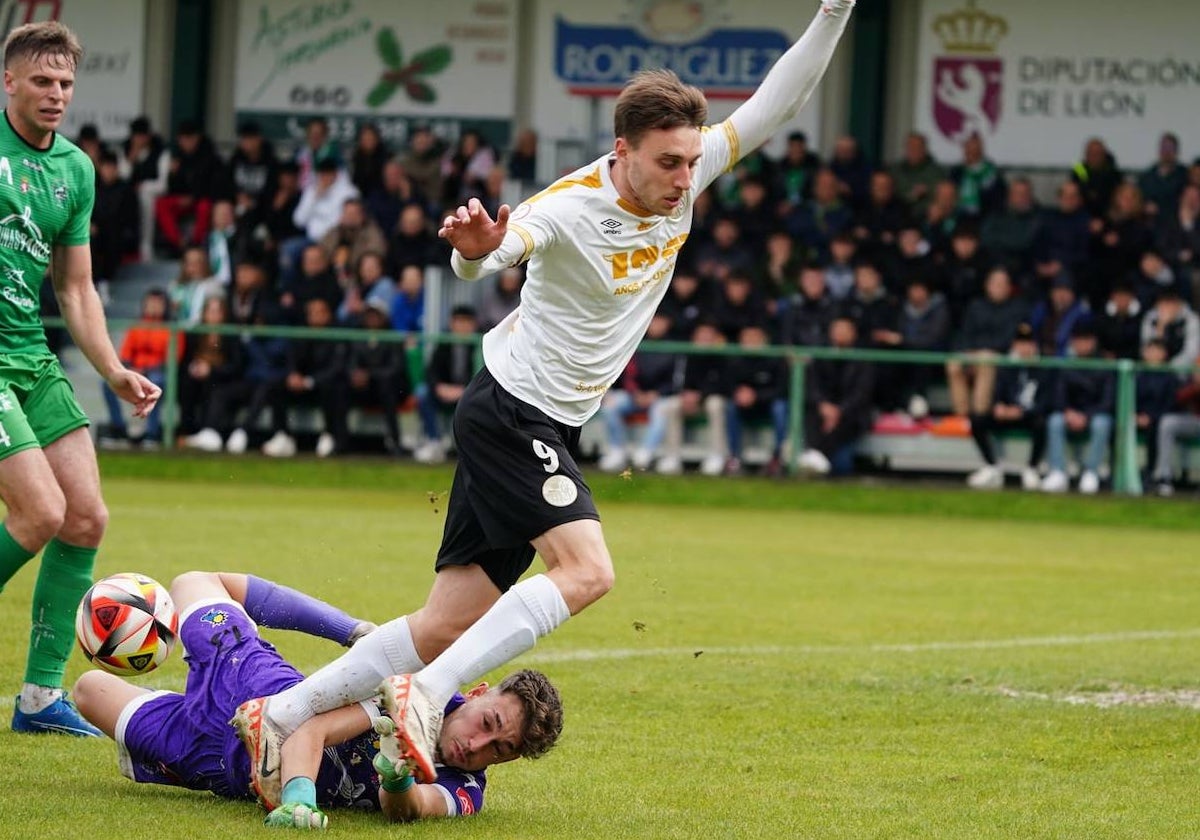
[{"x": 46, "y": 198}]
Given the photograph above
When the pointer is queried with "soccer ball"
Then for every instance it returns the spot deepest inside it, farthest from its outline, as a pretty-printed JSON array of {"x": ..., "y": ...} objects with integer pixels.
[{"x": 126, "y": 624}]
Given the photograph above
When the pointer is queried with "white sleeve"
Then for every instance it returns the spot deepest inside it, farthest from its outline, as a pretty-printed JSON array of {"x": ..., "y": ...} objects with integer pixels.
[
  {"x": 790, "y": 83},
  {"x": 530, "y": 229}
]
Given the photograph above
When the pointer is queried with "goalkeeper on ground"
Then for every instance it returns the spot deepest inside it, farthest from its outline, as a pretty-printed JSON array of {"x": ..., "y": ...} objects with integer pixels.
[{"x": 337, "y": 759}]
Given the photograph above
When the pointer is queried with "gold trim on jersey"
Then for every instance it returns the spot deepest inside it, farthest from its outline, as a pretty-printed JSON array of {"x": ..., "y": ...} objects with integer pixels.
[
  {"x": 592, "y": 181},
  {"x": 735, "y": 145},
  {"x": 630, "y": 207},
  {"x": 526, "y": 238}
]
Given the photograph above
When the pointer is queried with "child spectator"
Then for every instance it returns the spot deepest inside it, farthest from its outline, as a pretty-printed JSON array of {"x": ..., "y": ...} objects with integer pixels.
[
  {"x": 408, "y": 303},
  {"x": 1176, "y": 325},
  {"x": 210, "y": 360},
  {"x": 650, "y": 379},
  {"x": 1023, "y": 396},
  {"x": 144, "y": 349},
  {"x": 1180, "y": 425},
  {"x": 194, "y": 285},
  {"x": 1119, "y": 326},
  {"x": 1155, "y": 397},
  {"x": 923, "y": 325},
  {"x": 758, "y": 391},
  {"x": 1083, "y": 405},
  {"x": 838, "y": 403},
  {"x": 705, "y": 391},
  {"x": 379, "y": 373},
  {"x": 369, "y": 285},
  {"x": 449, "y": 370}
]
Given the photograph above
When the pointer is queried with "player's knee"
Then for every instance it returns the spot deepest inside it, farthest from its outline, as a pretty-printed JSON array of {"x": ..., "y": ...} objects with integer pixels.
[
  {"x": 86, "y": 691},
  {"x": 85, "y": 525},
  {"x": 44, "y": 514},
  {"x": 184, "y": 581},
  {"x": 593, "y": 580}
]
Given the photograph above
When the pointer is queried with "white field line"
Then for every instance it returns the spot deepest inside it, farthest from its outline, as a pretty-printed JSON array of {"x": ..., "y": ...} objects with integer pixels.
[{"x": 600, "y": 654}]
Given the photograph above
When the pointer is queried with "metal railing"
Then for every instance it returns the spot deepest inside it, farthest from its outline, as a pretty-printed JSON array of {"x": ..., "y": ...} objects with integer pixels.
[{"x": 1125, "y": 471}]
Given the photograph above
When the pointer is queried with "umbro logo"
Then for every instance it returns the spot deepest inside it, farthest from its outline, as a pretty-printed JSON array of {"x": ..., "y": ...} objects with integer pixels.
[{"x": 612, "y": 226}]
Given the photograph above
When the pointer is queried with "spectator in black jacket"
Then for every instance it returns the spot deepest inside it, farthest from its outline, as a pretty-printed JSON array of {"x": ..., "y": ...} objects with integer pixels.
[
  {"x": 1178, "y": 239},
  {"x": 449, "y": 370},
  {"x": 1119, "y": 326},
  {"x": 1083, "y": 405},
  {"x": 738, "y": 306},
  {"x": 144, "y": 162},
  {"x": 652, "y": 377},
  {"x": 196, "y": 178},
  {"x": 1155, "y": 397},
  {"x": 254, "y": 169},
  {"x": 114, "y": 219},
  {"x": 923, "y": 325},
  {"x": 1097, "y": 176},
  {"x": 315, "y": 280},
  {"x": 705, "y": 391},
  {"x": 397, "y": 192},
  {"x": 987, "y": 330},
  {"x": 965, "y": 270},
  {"x": 758, "y": 391},
  {"x": 838, "y": 403},
  {"x": 1065, "y": 237},
  {"x": 688, "y": 300},
  {"x": 275, "y": 216},
  {"x": 379, "y": 372},
  {"x": 1010, "y": 235},
  {"x": 876, "y": 315},
  {"x": 882, "y": 215},
  {"x": 412, "y": 242},
  {"x": 1023, "y": 396},
  {"x": 805, "y": 321},
  {"x": 317, "y": 372},
  {"x": 209, "y": 361}
]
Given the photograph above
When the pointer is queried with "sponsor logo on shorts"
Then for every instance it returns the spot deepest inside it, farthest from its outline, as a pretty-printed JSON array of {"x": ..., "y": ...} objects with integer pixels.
[
  {"x": 559, "y": 490},
  {"x": 215, "y": 617}
]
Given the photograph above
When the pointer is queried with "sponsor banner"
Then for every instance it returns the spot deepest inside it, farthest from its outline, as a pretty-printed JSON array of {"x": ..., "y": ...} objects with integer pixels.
[
  {"x": 584, "y": 53},
  {"x": 394, "y": 62},
  {"x": 1037, "y": 79},
  {"x": 108, "y": 83}
]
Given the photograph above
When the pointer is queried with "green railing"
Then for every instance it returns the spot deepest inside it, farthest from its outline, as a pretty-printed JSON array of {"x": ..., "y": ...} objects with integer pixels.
[{"x": 1126, "y": 474}]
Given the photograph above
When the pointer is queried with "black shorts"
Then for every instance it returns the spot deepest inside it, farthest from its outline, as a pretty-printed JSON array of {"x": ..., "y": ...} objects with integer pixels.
[{"x": 515, "y": 480}]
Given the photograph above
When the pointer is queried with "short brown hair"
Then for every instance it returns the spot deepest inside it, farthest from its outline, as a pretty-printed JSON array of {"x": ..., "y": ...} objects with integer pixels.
[
  {"x": 38, "y": 40},
  {"x": 655, "y": 99},
  {"x": 543, "y": 710}
]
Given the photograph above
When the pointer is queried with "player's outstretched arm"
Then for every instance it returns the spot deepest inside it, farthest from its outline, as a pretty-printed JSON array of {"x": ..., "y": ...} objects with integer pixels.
[
  {"x": 796, "y": 74},
  {"x": 84, "y": 314}
]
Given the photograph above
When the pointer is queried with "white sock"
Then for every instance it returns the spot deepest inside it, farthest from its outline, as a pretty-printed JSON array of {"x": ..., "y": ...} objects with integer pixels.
[
  {"x": 521, "y": 616},
  {"x": 353, "y": 676},
  {"x": 34, "y": 698}
]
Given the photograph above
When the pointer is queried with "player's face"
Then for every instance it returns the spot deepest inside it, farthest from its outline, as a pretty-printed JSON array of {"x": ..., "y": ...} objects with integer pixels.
[
  {"x": 39, "y": 92},
  {"x": 484, "y": 730},
  {"x": 659, "y": 169}
]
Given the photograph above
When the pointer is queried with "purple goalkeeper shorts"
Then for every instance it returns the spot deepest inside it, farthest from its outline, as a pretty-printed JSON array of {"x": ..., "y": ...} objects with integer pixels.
[{"x": 185, "y": 739}]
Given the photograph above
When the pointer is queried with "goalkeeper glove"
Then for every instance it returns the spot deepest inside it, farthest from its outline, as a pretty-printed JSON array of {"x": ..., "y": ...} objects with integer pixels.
[
  {"x": 299, "y": 809},
  {"x": 392, "y": 778}
]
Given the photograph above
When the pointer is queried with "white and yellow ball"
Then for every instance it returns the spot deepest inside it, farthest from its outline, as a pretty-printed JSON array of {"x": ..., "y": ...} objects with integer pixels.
[{"x": 126, "y": 624}]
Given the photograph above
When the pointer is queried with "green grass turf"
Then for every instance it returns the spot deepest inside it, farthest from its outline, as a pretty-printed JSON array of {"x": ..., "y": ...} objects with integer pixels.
[{"x": 777, "y": 659}]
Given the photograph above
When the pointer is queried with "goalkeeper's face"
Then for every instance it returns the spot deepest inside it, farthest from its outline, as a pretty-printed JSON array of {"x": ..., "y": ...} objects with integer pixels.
[
  {"x": 660, "y": 168},
  {"x": 485, "y": 730}
]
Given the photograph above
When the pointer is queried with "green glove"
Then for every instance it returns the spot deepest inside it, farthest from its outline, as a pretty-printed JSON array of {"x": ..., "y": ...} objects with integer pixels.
[
  {"x": 297, "y": 815},
  {"x": 393, "y": 779}
]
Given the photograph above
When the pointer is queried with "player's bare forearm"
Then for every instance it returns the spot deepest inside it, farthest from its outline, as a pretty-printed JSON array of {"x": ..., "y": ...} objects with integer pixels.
[
  {"x": 82, "y": 310},
  {"x": 419, "y": 802},
  {"x": 302, "y": 751}
]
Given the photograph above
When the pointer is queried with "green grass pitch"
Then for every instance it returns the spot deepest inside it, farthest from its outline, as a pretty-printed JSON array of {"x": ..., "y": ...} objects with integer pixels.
[{"x": 776, "y": 661}]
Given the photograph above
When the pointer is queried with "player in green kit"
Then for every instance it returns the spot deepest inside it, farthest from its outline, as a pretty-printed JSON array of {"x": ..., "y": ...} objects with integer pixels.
[{"x": 49, "y": 480}]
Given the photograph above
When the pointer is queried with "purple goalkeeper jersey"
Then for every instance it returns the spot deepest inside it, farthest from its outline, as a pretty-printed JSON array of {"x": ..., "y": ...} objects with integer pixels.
[{"x": 186, "y": 739}]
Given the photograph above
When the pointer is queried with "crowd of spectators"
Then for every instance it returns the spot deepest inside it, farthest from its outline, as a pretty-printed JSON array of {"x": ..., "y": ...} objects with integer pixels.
[{"x": 799, "y": 251}]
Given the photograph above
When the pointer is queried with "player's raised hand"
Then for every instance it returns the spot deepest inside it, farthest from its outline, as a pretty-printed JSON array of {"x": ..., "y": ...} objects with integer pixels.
[
  {"x": 472, "y": 232},
  {"x": 134, "y": 388},
  {"x": 297, "y": 815}
]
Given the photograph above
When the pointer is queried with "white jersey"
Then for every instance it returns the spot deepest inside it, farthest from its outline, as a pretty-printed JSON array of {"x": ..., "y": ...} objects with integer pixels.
[{"x": 599, "y": 266}]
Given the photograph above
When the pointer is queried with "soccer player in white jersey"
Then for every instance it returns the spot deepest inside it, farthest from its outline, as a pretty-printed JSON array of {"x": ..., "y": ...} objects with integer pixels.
[{"x": 601, "y": 245}]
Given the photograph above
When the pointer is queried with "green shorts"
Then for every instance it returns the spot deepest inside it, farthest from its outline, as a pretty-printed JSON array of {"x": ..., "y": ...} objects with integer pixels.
[{"x": 37, "y": 403}]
